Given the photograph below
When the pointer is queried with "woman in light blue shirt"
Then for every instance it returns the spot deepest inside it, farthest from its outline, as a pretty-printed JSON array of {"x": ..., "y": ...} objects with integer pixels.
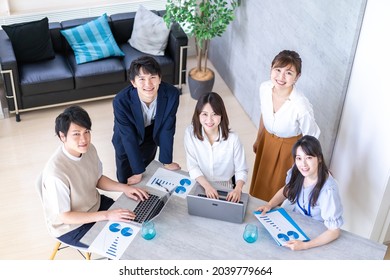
[
  {"x": 214, "y": 153},
  {"x": 312, "y": 191}
]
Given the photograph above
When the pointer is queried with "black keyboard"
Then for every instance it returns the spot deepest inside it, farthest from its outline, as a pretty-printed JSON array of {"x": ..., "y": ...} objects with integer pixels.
[{"x": 148, "y": 209}]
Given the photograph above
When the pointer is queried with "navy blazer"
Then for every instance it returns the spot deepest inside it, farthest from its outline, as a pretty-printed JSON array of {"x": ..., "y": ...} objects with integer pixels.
[{"x": 129, "y": 130}]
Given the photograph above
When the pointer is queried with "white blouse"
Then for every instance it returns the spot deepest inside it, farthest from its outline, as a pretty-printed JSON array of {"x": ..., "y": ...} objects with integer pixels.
[
  {"x": 217, "y": 162},
  {"x": 293, "y": 118}
]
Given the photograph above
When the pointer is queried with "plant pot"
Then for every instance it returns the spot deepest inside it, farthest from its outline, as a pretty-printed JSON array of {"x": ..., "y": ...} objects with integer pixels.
[{"x": 200, "y": 83}]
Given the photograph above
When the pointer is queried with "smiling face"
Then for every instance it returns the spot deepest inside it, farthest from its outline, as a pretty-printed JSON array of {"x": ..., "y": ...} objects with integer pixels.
[
  {"x": 306, "y": 164},
  {"x": 77, "y": 140},
  {"x": 209, "y": 119},
  {"x": 284, "y": 77},
  {"x": 147, "y": 86}
]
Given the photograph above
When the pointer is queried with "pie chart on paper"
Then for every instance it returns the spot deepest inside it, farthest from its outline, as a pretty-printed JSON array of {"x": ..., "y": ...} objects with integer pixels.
[
  {"x": 115, "y": 227},
  {"x": 127, "y": 231},
  {"x": 180, "y": 190}
]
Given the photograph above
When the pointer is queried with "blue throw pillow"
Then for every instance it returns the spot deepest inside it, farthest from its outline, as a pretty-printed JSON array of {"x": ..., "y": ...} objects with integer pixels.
[{"x": 92, "y": 40}]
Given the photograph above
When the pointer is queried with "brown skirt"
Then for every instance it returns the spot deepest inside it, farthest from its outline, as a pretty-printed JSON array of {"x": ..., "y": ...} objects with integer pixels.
[{"x": 273, "y": 160}]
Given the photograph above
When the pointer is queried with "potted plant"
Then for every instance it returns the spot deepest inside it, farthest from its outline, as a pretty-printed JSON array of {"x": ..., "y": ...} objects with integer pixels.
[{"x": 203, "y": 20}]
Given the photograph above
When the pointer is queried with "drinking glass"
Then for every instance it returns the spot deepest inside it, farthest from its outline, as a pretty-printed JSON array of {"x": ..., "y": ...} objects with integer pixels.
[
  {"x": 148, "y": 230},
  {"x": 250, "y": 233}
]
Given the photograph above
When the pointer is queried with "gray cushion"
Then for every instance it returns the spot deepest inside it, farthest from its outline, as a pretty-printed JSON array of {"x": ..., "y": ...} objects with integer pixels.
[{"x": 150, "y": 33}]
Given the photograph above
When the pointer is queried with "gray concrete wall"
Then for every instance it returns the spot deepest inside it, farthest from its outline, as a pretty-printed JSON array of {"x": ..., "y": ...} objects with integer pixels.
[{"x": 324, "y": 33}]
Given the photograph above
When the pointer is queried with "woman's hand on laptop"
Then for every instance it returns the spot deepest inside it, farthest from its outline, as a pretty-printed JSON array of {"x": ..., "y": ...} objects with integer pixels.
[
  {"x": 211, "y": 193},
  {"x": 234, "y": 195},
  {"x": 208, "y": 188}
]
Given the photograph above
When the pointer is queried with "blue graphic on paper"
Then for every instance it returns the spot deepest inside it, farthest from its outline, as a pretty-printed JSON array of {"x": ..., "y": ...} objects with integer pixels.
[
  {"x": 281, "y": 226},
  {"x": 171, "y": 181},
  {"x": 161, "y": 182},
  {"x": 182, "y": 189},
  {"x": 126, "y": 232},
  {"x": 115, "y": 227}
]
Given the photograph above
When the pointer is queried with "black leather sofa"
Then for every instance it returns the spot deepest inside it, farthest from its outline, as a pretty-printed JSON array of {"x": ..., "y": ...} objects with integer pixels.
[{"x": 60, "y": 80}]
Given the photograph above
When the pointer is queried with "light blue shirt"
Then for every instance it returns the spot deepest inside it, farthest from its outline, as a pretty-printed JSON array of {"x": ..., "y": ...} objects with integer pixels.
[{"x": 328, "y": 208}]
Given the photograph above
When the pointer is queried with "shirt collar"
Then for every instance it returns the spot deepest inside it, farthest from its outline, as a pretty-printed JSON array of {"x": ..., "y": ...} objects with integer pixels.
[
  {"x": 69, "y": 155},
  {"x": 219, "y": 137}
]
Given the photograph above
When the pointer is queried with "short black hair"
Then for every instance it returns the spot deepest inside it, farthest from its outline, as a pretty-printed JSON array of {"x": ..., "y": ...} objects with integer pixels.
[
  {"x": 73, "y": 114},
  {"x": 148, "y": 65}
]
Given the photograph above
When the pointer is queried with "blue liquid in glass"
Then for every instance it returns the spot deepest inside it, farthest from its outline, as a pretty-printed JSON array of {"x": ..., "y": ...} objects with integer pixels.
[
  {"x": 149, "y": 234},
  {"x": 250, "y": 233},
  {"x": 250, "y": 238}
]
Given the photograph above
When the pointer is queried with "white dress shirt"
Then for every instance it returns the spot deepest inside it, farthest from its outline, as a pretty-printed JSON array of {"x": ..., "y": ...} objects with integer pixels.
[
  {"x": 217, "y": 162},
  {"x": 149, "y": 112},
  {"x": 293, "y": 118}
]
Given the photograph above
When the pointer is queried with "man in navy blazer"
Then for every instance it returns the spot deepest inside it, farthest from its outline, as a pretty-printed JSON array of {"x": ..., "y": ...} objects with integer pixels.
[{"x": 144, "y": 119}]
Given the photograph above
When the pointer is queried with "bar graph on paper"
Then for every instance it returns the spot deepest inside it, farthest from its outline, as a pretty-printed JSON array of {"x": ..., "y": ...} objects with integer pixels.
[
  {"x": 113, "y": 240},
  {"x": 281, "y": 226},
  {"x": 172, "y": 181}
]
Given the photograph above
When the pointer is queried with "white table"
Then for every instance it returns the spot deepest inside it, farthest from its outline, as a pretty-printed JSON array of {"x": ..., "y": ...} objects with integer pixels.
[{"x": 181, "y": 236}]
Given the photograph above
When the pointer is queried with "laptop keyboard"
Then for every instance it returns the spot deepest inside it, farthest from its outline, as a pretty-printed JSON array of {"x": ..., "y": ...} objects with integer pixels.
[
  {"x": 220, "y": 198},
  {"x": 148, "y": 209}
]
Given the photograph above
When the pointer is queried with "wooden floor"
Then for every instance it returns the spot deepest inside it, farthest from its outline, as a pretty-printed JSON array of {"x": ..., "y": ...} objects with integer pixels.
[{"x": 27, "y": 145}]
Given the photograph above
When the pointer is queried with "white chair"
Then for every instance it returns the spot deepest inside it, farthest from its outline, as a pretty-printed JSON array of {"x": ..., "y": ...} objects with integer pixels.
[{"x": 59, "y": 244}]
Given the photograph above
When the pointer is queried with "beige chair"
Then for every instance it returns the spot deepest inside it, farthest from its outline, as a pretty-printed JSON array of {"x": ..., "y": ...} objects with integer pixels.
[{"x": 59, "y": 244}]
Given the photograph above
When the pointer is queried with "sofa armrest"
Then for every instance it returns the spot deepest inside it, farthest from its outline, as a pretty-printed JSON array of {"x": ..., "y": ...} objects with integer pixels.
[
  {"x": 8, "y": 62},
  {"x": 177, "y": 38}
]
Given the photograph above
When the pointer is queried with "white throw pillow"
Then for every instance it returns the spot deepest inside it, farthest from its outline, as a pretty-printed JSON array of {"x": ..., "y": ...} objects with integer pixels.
[{"x": 150, "y": 33}]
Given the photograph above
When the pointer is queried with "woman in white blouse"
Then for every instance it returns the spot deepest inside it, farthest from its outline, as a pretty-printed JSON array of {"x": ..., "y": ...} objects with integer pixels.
[
  {"x": 312, "y": 191},
  {"x": 286, "y": 115},
  {"x": 214, "y": 153}
]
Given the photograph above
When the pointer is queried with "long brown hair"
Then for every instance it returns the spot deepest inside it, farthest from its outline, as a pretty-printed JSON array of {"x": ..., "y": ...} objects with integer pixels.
[{"x": 312, "y": 147}]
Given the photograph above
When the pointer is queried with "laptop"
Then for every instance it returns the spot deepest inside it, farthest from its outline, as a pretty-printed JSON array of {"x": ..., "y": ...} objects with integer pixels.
[
  {"x": 149, "y": 209},
  {"x": 220, "y": 209}
]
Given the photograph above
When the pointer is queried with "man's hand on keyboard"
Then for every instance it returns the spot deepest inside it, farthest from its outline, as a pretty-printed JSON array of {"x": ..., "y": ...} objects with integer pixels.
[
  {"x": 120, "y": 215},
  {"x": 136, "y": 193}
]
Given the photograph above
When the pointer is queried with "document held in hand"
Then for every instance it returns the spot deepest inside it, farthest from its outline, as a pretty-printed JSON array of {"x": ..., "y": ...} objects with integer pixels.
[{"x": 281, "y": 226}]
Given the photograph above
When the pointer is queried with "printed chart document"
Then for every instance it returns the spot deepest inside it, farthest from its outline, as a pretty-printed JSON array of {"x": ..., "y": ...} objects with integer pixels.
[
  {"x": 173, "y": 182},
  {"x": 113, "y": 240},
  {"x": 281, "y": 226}
]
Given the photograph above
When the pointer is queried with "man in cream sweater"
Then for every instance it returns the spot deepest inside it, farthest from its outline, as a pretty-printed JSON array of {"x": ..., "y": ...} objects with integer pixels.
[{"x": 71, "y": 179}]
